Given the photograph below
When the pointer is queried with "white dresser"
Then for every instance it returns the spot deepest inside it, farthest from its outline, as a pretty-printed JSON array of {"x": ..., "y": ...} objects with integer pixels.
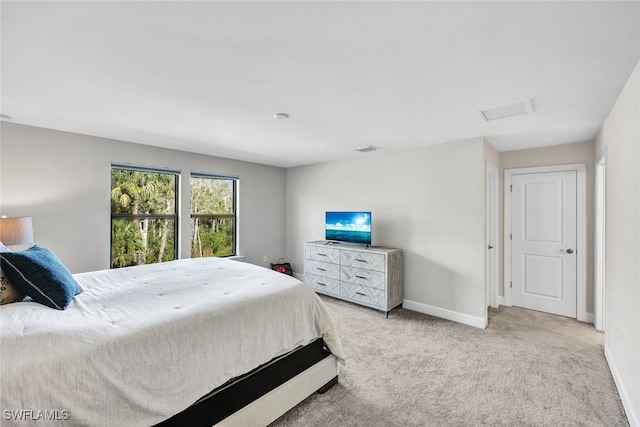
[{"x": 369, "y": 276}]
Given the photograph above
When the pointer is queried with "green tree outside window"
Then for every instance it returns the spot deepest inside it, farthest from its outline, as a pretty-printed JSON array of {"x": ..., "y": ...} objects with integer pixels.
[
  {"x": 213, "y": 216},
  {"x": 144, "y": 216}
]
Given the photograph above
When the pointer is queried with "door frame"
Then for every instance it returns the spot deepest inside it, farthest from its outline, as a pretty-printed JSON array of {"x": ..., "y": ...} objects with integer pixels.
[
  {"x": 581, "y": 231},
  {"x": 491, "y": 235},
  {"x": 600, "y": 239}
]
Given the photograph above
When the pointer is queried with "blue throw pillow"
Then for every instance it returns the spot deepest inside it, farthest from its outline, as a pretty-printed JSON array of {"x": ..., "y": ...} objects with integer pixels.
[{"x": 38, "y": 273}]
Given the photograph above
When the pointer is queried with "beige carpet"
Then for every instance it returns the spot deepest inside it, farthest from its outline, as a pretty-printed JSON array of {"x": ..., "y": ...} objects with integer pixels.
[{"x": 526, "y": 369}]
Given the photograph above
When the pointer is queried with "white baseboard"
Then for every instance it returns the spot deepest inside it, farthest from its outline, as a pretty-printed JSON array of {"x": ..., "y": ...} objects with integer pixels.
[
  {"x": 632, "y": 416},
  {"x": 298, "y": 276},
  {"x": 478, "y": 322}
]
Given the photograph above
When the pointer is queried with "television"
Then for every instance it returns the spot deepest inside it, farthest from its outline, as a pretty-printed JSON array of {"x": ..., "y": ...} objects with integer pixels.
[{"x": 352, "y": 227}]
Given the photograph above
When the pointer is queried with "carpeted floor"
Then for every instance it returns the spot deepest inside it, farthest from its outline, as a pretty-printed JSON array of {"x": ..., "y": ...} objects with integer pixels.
[{"x": 526, "y": 369}]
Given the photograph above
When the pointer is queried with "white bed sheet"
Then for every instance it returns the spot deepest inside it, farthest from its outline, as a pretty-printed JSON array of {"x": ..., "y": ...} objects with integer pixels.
[{"x": 141, "y": 344}]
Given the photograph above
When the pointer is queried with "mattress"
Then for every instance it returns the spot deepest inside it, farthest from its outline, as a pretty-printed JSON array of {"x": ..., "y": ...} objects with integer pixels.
[{"x": 141, "y": 344}]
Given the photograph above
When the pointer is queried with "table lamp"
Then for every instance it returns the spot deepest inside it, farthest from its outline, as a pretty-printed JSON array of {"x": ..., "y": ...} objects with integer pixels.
[{"x": 16, "y": 231}]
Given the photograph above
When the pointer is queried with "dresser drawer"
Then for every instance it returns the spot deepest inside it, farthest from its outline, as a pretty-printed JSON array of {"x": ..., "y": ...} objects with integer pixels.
[
  {"x": 370, "y": 277},
  {"x": 370, "y": 261},
  {"x": 362, "y": 294},
  {"x": 323, "y": 284},
  {"x": 322, "y": 253},
  {"x": 362, "y": 276},
  {"x": 324, "y": 269}
]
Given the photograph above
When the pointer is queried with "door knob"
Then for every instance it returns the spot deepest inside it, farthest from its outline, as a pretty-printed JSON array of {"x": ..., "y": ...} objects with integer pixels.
[
  {"x": 490, "y": 247},
  {"x": 569, "y": 251}
]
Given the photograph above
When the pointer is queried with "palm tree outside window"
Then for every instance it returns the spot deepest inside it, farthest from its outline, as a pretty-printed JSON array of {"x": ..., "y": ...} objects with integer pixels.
[{"x": 144, "y": 215}]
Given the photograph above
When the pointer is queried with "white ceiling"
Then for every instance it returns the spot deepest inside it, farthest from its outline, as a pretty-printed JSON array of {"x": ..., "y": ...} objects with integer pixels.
[{"x": 208, "y": 77}]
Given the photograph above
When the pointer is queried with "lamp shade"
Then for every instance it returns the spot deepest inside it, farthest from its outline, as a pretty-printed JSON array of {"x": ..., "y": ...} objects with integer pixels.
[{"x": 16, "y": 231}]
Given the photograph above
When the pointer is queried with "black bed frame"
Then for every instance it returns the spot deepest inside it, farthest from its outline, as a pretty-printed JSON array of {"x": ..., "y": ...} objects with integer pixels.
[{"x": 239, "y": 392}]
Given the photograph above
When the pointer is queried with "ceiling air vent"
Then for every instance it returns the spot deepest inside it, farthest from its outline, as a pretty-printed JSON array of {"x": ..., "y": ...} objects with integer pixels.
[
  {"x": 366, "y": 149},
  {"x": 503, "y": 111}
]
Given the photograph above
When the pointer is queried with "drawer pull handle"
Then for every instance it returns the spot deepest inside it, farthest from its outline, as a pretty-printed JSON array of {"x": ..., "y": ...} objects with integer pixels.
[
  {"x": 321, "y": 284},
  {"x": 319, "y": 254},
  {"x": 361, "y": 260},
  {"x": 360, "y": 293},
  {"x": 321, "y": 269},
  {"x": 361, "y": 277}
]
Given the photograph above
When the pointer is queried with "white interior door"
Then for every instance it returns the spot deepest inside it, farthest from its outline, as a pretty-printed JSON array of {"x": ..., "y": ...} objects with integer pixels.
[{"x": 544, "y": 242}]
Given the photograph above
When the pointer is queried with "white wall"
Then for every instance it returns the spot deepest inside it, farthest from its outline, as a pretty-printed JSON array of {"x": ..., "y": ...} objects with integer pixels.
[
  {"x": 62, "y": 180},
  {"x": 621, "y": 137},
  {"x": 428, "y": 201}
]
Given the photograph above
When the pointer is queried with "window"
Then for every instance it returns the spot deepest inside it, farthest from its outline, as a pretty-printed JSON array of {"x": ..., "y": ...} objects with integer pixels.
[
  {"x": 144, "y": 216},
  {"x": 213, "y": 215}
]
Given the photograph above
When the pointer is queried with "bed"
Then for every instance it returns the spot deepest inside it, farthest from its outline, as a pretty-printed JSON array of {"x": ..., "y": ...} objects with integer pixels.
[{"x": 194, "y": 339}]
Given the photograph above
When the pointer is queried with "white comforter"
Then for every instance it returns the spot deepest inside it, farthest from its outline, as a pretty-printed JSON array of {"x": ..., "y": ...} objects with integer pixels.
[{"x": 141, "y": 344}]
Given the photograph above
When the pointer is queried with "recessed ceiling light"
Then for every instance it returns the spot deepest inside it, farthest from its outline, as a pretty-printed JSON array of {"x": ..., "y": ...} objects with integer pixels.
[
  {"x": 509, "y": 110},
  {"x": 366, "y": 149},
  {"x": 281, "y": 116}
]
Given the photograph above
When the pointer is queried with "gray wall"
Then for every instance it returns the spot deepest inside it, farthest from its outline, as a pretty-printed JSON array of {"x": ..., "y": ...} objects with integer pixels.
[
  {"x": 62, "y": 180},
  {"x": 620, "y": 136},
  {"x": 427, "y": 201}
]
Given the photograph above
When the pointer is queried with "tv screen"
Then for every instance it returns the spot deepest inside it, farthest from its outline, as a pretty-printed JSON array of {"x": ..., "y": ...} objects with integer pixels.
[{"x": 353, "y": 227}]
